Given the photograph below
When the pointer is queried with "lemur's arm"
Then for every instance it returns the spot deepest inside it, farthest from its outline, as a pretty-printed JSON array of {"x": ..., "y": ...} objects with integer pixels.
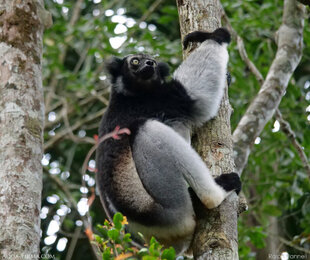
[{"x": 203, "y": 73}]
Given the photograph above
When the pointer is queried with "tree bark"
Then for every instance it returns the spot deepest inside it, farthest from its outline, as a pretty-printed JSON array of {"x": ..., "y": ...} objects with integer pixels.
[
  {"x": 21, "y": 126},
  {"x": 216, "y": 232}
]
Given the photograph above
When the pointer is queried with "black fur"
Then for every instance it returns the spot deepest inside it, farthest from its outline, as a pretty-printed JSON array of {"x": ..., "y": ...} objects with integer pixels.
[
  {"x": 199, "y": 209},
  {"x": 113, "y": 66},
  {"x": 157, "y": 99},
  {"x": 220, "y": 35},
  {"x": 229, "y": 182},
  {"x": 163, "y": 69},
  {"x": 141, "y": 92}
]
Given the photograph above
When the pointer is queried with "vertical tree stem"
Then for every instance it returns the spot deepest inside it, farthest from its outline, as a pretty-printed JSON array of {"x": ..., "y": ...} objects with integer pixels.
[
  {"x": 216, "y": 232},
  {"x": 21, "y": 126}
]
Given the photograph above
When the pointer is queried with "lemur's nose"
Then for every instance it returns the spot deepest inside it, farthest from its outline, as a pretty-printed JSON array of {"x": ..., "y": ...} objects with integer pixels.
[{"x": 149, "y": 63}]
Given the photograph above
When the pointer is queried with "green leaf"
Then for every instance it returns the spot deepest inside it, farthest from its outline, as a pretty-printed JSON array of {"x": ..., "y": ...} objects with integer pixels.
[
  {"x": 168, "y": 254},
  {"x": 171, "y": 10},
  {"x": 154, "y": 247},
  {"x": 117, "y": 220},
  {"x": 98, "y": 239},
  {"x": 148, "y": 257},
  {"x": 113, "y": 234},
  {"x": 103, "y": 231},
  {"x": 257, "y": 237},
  {"x": 127, "y": 238},
  {"x": 106, "y": 255},
  {"x": 272, "y": 210}
]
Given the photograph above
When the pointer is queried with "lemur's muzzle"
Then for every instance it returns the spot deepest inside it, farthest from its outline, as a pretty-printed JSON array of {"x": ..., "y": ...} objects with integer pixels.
[{"x": 148, "y": 70}]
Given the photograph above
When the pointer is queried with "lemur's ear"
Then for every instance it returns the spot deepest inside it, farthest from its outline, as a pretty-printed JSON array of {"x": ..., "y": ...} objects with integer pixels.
[
  {"x": 113, "y": 66},
  {"x": 163, "y": 69}
]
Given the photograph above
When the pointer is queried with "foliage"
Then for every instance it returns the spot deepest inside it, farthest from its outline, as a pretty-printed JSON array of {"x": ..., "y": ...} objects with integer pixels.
[
  {"x": 114, "y": 243},
  {"x": 77, "y": 91},
  {"x": 276, "y": 184}
]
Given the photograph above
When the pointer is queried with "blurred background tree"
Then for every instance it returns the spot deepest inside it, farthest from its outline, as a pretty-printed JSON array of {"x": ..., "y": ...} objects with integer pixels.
[{"x": 84, "y": 33}]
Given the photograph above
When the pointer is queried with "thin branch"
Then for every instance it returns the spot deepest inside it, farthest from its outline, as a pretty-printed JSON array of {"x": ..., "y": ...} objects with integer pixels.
[
  {"x": 305, "y": 2},
  {"x": 65, "y": 190},
  {"x": 54, "y": 80},
  {"x": 66, "y": 120},
  {"x": 71, "y": 235},
  {"x": 286, "y": 128},
  {"x": 146, "y": 15},
  {"x": 81, "y": 59},
  {"x": 291, "y": 244},
  {"x": 76, "y": 13},
  {"x": 151, "y": 9},
  {"x": 53, "y": 107},
  {"x": 78, "y": 124},
  {"x": 85, "y": 218},
  {"x": 72, "y": 136},
  {"x": 248, "y": 62},
  {"x": 261, "y": 110},
  {"x": 52, "y": 86},
  {"x": 242, "y": 50},
  {"x": 85, "y": 100},
  {"x": 73, "y": 242}
]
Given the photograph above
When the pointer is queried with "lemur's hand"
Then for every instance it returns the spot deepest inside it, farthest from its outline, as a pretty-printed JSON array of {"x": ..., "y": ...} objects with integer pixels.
[{"x": 220, "y": 35}]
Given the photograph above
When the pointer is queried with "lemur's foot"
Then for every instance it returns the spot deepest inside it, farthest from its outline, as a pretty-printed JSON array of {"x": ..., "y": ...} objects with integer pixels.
[
  {"x": 230, "y": 181},
  {"x": 220, "y": 35}
]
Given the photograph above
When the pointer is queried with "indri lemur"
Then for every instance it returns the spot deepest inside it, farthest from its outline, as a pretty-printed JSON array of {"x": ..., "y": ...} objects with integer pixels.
[{"x": 147, "y": 175}]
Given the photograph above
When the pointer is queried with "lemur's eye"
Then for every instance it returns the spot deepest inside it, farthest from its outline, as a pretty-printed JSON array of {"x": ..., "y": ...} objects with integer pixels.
[{"x": 135, "y": 61}]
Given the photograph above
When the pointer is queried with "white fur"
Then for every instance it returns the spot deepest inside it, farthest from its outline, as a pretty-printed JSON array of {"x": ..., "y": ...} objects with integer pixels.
[
  {"x": 189, "y": 163},
  {"x": 203, "y": 74},
  {"x": 167, "y": 165},
  {"x": 179, "y": 235}
]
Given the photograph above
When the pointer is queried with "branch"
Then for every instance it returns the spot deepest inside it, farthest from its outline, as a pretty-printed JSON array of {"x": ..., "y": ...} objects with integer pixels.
[
  {"x": 305, "y": 2},
  {"x": 261, "y": 110},
  {"x": 291, "y": 244},
  {"x": 286, "y": 128},
  {"x": 66, "y": 131},
  {"x": 146, "y": 15},
  {"x": 73, "y": 243},
  {"x": 86, "y": 218},
  {"x": 84, "y": 100},
  {"x": 242, "y": 50},
  {"x": 150, "y": 10},
  {"x": 74, "y": 18}
]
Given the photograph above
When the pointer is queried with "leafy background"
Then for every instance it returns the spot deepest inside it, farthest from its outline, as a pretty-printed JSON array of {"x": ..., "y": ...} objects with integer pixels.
[{"x": 275, "y": 181}]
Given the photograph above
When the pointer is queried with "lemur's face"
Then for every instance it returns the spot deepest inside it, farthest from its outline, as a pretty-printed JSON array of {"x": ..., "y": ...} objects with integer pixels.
[
  {"x": 141, "y": 73},
  {"x": 143, "y": 67},
  {"x": 137, "y": 73}
]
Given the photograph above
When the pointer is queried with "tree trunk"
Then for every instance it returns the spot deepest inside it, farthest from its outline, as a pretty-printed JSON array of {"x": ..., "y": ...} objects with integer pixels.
[
  {"x": 21, "y": 126},
  {"x": 216, "y": 232}
]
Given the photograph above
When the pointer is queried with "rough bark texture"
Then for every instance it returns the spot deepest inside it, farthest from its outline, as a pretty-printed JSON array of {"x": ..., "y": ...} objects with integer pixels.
[
  {"x": 260, "y": 111},
  {"x": 216, "y": 232},
  {"x": 21, "y": 127}
]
